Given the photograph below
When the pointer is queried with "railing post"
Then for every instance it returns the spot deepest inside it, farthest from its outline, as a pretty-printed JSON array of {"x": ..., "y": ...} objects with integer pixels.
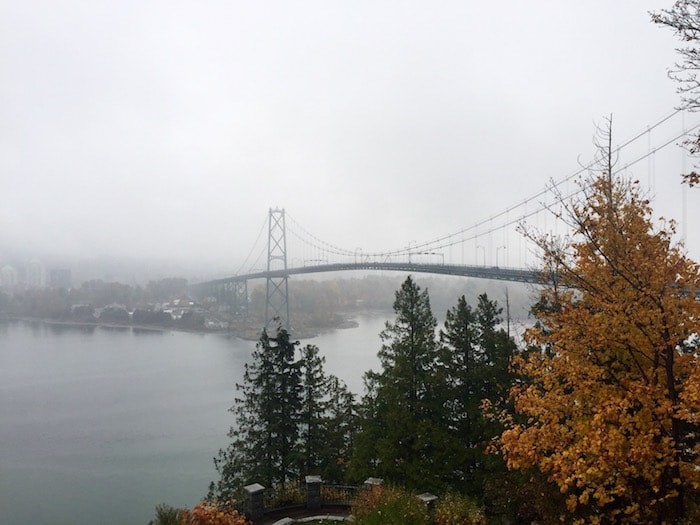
[
  {"x": 313, "y": 492},
  {"x": 371, "y": 483},
  {"x": 428, "y": 500},
  {"x": 254, "y": 505}
]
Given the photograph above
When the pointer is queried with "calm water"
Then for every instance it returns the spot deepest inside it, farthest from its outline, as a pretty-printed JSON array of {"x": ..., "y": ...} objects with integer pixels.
[{"x": 100, "y": 425}]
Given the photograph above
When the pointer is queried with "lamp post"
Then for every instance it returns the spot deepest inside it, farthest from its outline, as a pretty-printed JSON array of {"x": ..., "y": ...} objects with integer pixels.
[
  {"x": 438, "y": 254},
  {"x": 477, "y": 252},
  {"x": 358, "y": 250},
  {"x": 498, "y": 248},
  {"x": 409, "y": 250}
]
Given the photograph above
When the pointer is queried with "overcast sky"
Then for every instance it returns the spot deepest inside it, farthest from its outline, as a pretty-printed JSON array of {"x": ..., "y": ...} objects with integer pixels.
[{"x": 163, "y": 129}]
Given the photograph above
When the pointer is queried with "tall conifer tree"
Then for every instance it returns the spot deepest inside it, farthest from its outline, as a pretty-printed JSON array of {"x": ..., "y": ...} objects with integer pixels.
[
  {"x": 326, "y": 420},
  {"x": 474, "y": 355},
  {"x": 266, "y": 432},
  {"x": 407, "y": 407},
  {"x": 339, "y": 428}
]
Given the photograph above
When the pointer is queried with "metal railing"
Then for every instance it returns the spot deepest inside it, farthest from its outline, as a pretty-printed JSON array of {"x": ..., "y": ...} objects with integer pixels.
[
  {"x": 288, "y": 496},
  {"x": 338, "y": 495}
]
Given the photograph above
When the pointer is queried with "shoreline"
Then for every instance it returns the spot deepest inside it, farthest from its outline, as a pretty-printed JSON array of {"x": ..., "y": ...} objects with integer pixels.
[
  {"x": 99, "y": 324},
  {"x": 348, "y": 322}
]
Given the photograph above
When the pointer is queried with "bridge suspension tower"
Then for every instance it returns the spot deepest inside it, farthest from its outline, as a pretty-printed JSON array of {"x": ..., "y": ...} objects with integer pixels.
[{"x": 277, "y": 296}]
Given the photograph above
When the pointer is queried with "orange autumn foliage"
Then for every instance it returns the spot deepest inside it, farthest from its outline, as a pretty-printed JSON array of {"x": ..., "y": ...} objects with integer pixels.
[
  {"x": 213, "y": 513},
  {"x": 609, "y": 404}
]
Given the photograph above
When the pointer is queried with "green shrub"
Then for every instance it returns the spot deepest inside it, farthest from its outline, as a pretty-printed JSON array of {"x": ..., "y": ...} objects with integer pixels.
[
  {"x": 388, "y": 506},
  {"x": 167, "y": 515}
]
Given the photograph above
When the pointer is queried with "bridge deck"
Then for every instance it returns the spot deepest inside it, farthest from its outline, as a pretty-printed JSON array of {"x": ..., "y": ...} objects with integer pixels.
[{"x": 479, "y": 272}]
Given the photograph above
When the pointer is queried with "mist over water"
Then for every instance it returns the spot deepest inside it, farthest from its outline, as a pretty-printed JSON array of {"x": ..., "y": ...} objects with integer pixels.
[
  {"x": 352, "y": 352},
  {"x": 99, "y": 425}
]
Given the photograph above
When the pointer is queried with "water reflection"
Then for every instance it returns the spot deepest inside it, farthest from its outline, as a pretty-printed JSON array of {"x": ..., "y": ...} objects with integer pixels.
[
  {"x": 118, "y": 329},
  {"x": 147, "y": 331},
  {"x": 61, "y": 328}
]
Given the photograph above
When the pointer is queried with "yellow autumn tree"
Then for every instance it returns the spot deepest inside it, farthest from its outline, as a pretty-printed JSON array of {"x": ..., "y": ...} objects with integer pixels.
[{"x": 609, "y": 404}]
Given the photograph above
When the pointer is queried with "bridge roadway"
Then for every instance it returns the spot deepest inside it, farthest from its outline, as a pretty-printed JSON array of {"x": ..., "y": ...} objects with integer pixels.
[{"x": 479, "y": 272}]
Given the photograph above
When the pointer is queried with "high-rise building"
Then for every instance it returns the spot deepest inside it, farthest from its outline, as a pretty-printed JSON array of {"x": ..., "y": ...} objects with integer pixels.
[
  {"x": 36, "y": 274},
  {"x": 8, "y": 277}
]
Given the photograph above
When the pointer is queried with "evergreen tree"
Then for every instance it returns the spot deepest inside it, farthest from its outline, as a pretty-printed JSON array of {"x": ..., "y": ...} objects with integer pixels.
[
  {"x": 497, "y": 349},
  {"x": 339, "y": 427},
  {"x": 364, "y": 461},
  {"x": 313, "y": 412},
  {"x": 291, "y": 419},
  {"x": 266, "y": 433},
  {"x": 460, "y": 357},
  {"x": 314, "y": 386},
  {"x": 326, "y": 419},
  {"x": 407, "y": 412},
  {"x": 474, "y": 356}
]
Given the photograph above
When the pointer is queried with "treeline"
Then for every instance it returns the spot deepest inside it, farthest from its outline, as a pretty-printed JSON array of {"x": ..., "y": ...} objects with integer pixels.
[
  {"x": 315, "y": 305},
  {"x": 73, "y": 304},
  {"x": 420, "y": 420},
  {"x": 596, "y": 420},
  {"x": 324, "y": 304},
  {"x": 419, "y": 423}
]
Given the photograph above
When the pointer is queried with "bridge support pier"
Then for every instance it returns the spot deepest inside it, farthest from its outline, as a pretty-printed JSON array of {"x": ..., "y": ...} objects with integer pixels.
[
  {"x": 277, "y": 296},
  {"x": 236, "y": 297}
]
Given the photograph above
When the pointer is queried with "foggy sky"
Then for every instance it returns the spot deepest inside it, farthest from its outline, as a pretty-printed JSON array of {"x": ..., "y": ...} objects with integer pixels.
[{"x": 165, "y": 130}]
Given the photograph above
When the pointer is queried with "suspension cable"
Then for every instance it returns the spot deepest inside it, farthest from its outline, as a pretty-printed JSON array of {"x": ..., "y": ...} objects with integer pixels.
[{"x": 445, "y": 241}]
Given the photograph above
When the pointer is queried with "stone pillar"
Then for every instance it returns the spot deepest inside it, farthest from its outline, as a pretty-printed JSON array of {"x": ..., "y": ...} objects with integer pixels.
[
  {"x": 428, "y": 500},
  {"x": 370, "y": 483},
  {"x": 254, "y": 504},
  {"x": 313, "y": 492}
]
